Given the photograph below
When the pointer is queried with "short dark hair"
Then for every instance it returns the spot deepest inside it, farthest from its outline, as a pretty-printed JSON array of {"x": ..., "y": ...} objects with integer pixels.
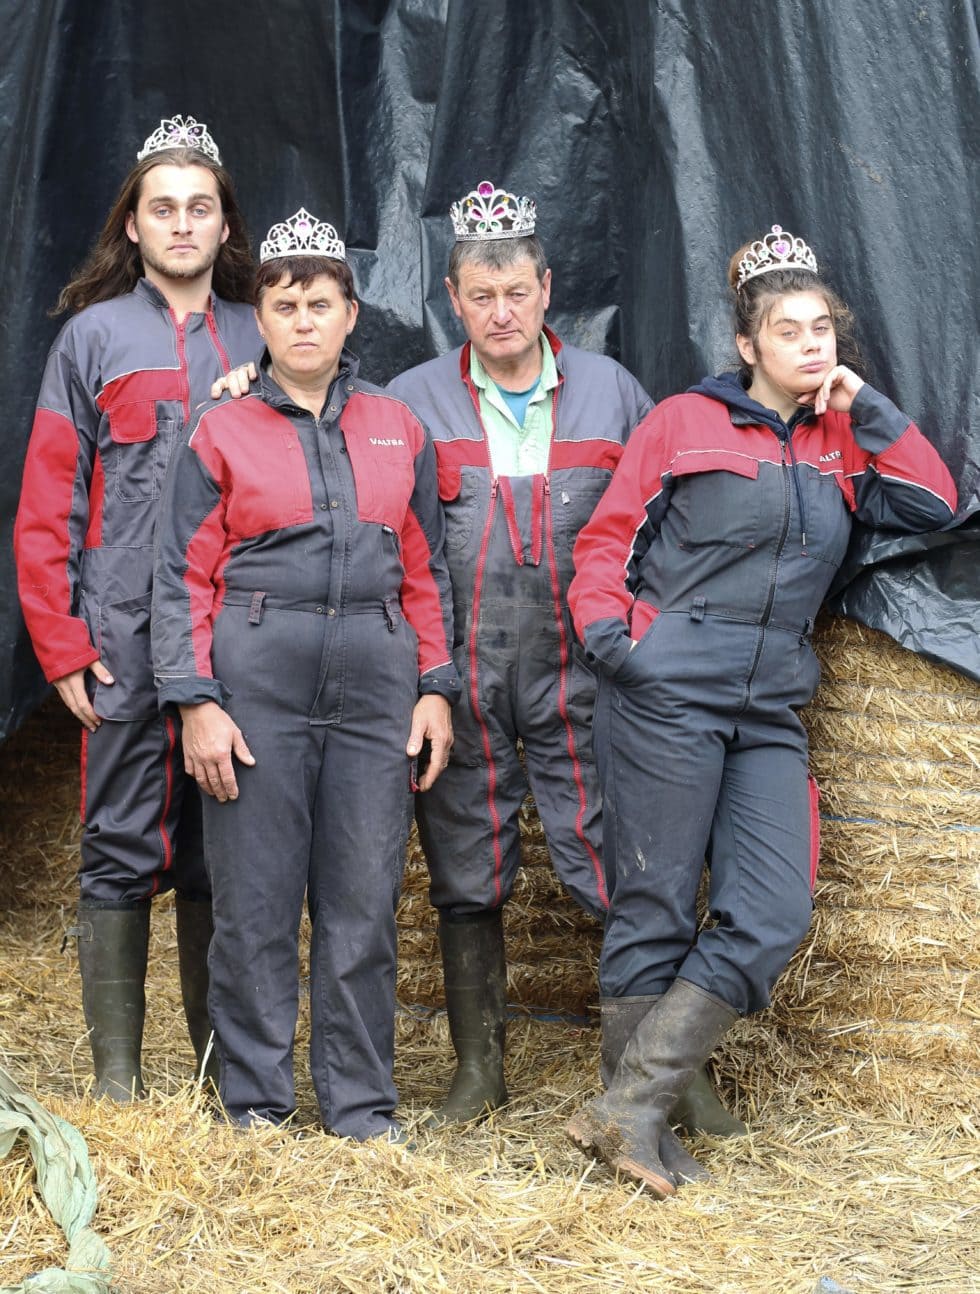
[
  {"x": 302, "y": 270},
  {"x": 497, "y": 254}
]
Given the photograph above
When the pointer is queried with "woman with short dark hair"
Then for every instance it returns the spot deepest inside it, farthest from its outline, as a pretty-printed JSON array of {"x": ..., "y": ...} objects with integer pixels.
[{"x": 302, "y": 624}]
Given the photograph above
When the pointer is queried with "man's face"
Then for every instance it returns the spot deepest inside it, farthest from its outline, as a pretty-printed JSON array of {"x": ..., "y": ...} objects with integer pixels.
[
  {"x": 305, "y": 328},
  {"x": 502, "y": 311},
  {"x": 178, "y": 223}
]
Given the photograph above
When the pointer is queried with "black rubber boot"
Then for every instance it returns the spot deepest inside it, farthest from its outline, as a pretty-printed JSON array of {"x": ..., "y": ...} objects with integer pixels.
[
  {"x": 194, "y": 930},
  {"x": 112, "y": 950},
  {"x": 699, "y": 1108},
  {"x": 475, "y": 971},
  {"x": 625, "y": 1126}
]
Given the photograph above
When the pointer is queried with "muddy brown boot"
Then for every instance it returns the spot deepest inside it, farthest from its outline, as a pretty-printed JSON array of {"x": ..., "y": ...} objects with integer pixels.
[
  {"x": 624, "y": 1127},
  {"x": 194, "y": 930},
  {"x": 475, "y": 971},
  {"x": 112, "y": 951},
  {"x": 699, "y": 1109},
  {"x": 619, "y": 1019}
]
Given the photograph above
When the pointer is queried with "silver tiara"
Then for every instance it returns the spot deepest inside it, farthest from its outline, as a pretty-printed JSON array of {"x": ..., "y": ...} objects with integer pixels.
[
  {"x": 180, "y": 132},
  {"x": 777, "y": 251},
  {"x": 487, "y": 212},
  {"x": 302, "y": 235}
]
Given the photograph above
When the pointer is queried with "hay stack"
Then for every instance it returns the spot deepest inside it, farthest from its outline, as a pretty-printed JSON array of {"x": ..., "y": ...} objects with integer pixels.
[{"x": 861, "y": 1084}]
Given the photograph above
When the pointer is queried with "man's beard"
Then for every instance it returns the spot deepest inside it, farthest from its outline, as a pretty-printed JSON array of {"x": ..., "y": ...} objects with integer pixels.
[{"x": 182, "y": 269}]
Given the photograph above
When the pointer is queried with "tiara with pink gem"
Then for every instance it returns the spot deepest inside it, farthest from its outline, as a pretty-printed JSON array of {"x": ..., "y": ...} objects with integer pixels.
[
  {"x": 488, "y": 212},
  {"x": 302, "y": 235},
  {"x": 777, "y": 251},
  {"x": 180, "y": 132}
]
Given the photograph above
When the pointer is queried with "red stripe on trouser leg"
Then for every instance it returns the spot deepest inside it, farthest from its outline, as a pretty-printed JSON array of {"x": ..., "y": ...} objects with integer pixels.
[
  {"x": 563, "y": 662},
  {"x": 814, "y": 828},
  {"x": 168, "y": 848},
  {"x": 83, "y": 771},
  {"x": 498, "y": 857}
]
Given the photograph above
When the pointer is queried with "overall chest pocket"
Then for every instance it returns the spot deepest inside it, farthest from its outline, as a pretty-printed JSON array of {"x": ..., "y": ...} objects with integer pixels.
[
  {"x": 139, "y": 450},
  {"x": 716, "y": 499},
  {"x": 465, "y": 508},
  {"x": 574, "y": 497},
  {"x": 384, "y": 477},
  {"x": 828, "y": 518}
]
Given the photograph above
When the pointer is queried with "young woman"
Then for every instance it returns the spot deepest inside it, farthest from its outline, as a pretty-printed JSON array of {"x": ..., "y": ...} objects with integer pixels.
[{"x": 697, "y": 582}]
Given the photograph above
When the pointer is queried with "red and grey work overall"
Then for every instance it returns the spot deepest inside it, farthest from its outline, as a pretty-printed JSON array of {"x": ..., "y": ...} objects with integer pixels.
[
  {"x": 508, "y": 546},
  {"x": 300, "y": 584},
  {"x": 120, "y": 383},
  {"x": 712, "y": 551}
]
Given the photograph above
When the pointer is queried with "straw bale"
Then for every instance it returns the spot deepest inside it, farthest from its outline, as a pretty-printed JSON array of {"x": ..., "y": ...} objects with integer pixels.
[
  {"x": 898, "y": 704},
  {"x": 852, "y": 653},
  {"x": 938, "y": 743},
  {"x": 887, "y": 852},
  {"x": 861, "y": 1083}
]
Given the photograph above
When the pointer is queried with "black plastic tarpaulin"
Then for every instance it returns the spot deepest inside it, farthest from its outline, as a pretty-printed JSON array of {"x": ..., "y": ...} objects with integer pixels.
[{"x": 655, "y": 135}]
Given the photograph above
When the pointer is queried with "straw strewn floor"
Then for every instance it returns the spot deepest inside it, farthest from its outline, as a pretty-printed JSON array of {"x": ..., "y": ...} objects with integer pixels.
[{"x": 861, "y": 1083}]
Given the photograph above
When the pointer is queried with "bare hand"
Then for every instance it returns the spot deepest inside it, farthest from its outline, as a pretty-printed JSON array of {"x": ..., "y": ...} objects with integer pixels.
[
  {"x": 432, "y": 721},
  {"x": 210, "y": 739},
  {"x": 236, "y": 382},
  {"x": 837, "y": 390},
  {"x": 71, "y": 689}
]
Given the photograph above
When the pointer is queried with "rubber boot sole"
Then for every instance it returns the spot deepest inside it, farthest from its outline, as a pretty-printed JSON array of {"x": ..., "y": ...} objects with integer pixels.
[{"x": 604, "y": 1141}]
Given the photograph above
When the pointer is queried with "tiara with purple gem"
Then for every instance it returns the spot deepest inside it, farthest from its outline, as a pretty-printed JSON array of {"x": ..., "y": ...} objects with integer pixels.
[
  {"x": 180, "y": 132},
  {"x": 777, "y": 251},
  {"x": 487, "y": 212},
  {"x": 302, "y": 235}
]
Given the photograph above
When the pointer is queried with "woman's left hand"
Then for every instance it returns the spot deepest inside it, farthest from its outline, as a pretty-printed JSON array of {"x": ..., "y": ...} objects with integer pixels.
[
  {"x": 837, "y": 390},
  {"x": 432, "y": 722}
]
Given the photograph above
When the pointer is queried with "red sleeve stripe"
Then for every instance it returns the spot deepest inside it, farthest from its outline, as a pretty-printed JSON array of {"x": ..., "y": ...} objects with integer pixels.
[
  {"x": 96, "y": 501},
  {"x": 420, "y": 596},
  {"x": 913, "y": 461},
  {"x": 44, "y": 545},
  {"x": 206, "y": 556}
]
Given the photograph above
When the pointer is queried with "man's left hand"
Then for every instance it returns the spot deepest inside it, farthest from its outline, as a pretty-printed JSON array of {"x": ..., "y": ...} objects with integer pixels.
[
  {"x": 432, "y": 722},
  {"x": 236, "y": 383}
]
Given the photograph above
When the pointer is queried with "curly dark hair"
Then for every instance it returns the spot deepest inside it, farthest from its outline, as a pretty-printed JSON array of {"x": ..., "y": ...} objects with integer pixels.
[{"x": 755, "y": 299}]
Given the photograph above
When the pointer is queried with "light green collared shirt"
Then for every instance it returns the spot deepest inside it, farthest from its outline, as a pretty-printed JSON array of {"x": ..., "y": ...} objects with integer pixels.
[{"x": 515, "y": 450}]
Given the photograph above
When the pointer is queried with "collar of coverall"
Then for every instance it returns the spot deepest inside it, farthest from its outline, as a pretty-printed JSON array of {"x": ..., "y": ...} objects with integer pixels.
[{"x": 273, "y": 394}]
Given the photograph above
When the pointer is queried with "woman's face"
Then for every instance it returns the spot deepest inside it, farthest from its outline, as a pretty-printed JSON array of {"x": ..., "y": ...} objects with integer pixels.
[
  {"x": 305, "y": 328},
  {"x": 795, "y": 350}
]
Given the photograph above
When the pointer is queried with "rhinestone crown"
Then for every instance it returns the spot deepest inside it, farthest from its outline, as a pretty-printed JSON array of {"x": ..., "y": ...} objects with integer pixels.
[
  {"x": 777, "y": 251},
  {"x": 302, "y": 235},
  {"x": 180, "y": 132},
  {"x": 487, "y": 212}
]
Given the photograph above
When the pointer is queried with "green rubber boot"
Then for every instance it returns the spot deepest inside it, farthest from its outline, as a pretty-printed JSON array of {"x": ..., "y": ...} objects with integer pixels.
[
  {"x": 112, "y": 952},
  {"x": 475, "y": 972}
]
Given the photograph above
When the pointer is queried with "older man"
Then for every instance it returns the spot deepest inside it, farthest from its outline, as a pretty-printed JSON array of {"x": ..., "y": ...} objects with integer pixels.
[
  {"x": 527, "y": 432},
  {"x": 162, "y": 312}
]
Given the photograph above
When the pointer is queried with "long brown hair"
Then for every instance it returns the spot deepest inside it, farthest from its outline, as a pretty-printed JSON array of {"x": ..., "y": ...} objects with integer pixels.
[
  {"x": 114, "y": 266},
  {"x": 755, "y": 299}
]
